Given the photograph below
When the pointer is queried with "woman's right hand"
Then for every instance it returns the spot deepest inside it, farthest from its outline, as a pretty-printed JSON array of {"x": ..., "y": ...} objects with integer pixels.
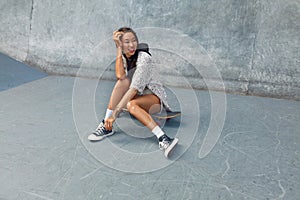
[
  {"x": 116, "y": 38},
  {"x": 109, "y": 123}
]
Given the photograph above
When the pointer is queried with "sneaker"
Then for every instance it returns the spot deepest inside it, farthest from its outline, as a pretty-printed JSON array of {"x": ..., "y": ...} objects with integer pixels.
[
  {"x": 100, "y": 133},
  {"x": 167, "y": 144}
]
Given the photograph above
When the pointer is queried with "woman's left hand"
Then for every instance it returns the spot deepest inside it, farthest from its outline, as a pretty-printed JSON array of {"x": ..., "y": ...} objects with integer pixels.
[
  {"x": 109, "y": 123},
  {"x": 116, "y": 38}
]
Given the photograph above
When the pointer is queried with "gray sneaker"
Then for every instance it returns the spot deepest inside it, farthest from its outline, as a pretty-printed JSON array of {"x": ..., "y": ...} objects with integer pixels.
[
  {"x": 100, "y": 133},
  {"x": 167, "y": 144}
]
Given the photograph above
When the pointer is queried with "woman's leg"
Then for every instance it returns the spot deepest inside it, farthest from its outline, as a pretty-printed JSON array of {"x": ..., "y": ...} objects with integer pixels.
[
  {"x": 141, "y": 106},
  {"x": 118, "y": 92}
]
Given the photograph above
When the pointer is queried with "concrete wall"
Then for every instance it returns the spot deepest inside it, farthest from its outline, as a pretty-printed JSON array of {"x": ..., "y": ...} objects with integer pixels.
[{"x": 254, "y": 44}]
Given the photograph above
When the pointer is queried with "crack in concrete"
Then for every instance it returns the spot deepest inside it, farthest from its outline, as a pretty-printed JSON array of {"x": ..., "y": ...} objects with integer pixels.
[
  {"x": 253, "y": 50},
  {"x": 131, "y": 13},
  {"x": 30, "y": 27},
  {"x": 31, "y": 13},
  {"x": 251, "y": 63}
]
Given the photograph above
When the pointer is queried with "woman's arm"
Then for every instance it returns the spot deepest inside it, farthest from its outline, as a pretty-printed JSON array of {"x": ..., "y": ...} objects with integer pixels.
[
  {"x": 122, "y": 104},
  {"x": 126, "y": 98},
  {"x": 120, "y": 71}
]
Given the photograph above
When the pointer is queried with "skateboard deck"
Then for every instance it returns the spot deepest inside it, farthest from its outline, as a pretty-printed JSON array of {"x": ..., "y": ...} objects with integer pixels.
[{"x": 165, "y": 115}]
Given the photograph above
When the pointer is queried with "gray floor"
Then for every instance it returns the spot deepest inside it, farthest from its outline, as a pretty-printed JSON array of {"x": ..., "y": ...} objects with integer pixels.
[{"x": 44, "y": 153}]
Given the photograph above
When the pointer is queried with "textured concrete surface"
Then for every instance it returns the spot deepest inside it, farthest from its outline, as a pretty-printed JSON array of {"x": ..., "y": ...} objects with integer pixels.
[
  {"x": 44, "y": 153},
  {"x": 254, "y": 44}
]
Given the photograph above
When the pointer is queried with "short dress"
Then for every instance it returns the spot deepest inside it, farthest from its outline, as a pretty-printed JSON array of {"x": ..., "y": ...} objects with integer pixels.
[{"x": 145, "y": 78}]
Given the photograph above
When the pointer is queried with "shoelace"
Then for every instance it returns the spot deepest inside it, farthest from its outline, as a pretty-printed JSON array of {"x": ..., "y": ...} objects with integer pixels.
[
  {"x": 163, "y": 144},
  {"x": 100, "y": 131}
]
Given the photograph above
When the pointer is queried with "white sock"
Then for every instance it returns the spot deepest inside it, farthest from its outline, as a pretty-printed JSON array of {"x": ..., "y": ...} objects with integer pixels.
[
  {"x": 108, "y": 114},
  {"x": 157, "y": 131}
]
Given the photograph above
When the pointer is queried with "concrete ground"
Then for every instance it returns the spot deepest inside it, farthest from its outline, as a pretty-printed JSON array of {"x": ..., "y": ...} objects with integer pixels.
[{"x": 45, "y": 154}]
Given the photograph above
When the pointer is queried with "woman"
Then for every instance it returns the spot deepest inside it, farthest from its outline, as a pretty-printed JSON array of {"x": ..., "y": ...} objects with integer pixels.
[{"x": 138, "y": 89}]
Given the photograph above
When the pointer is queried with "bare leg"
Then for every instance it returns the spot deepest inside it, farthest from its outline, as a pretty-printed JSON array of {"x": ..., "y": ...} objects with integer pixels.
[
  {"x": 141, "y": 106},
  {"x": 118, "y": 92}
]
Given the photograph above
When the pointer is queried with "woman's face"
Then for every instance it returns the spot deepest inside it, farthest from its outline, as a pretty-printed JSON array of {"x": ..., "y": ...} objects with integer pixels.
[{"x": 129, "y": 44}]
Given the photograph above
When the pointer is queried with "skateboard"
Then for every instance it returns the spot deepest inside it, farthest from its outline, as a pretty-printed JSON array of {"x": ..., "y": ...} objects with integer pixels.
[
  {"x": 167, "y": 115},
  {"x": 161, "y": 116}
]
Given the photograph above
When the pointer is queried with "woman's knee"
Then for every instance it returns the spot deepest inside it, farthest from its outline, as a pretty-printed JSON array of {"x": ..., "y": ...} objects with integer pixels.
[
  {"x": 123, "y": 83},
  {"x": 131, "y": 106}
]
